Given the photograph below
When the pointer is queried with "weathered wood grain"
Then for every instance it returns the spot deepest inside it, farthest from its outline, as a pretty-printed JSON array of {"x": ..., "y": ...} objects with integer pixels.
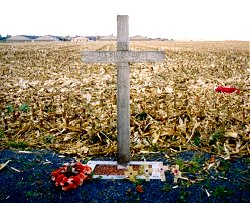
[
  {"x": 123, "y": 92},
  {"x": 122, "y": 56}
]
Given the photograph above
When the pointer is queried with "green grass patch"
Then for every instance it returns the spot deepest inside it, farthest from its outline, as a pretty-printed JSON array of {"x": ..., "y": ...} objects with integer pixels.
[
  {"x": 247, "y": 161},
  {"x": 9, "y": 109},
  {"x": 181, "y": 164},
  {"x": 192, "y": 166},
  {"x": 197, "y": 140},
  {"x": 217, "y": 135},
  {"x": 224, "y": 165},
  {"x": 24, "y": 108},
  {"x": 154, "y": 147},
  {"x": 49, "y": 139},
  {"x": 206, "y": 182},
  {"x": 183, "y": 195},
  {"x": 221, "y": 191},
  {"x": 31, "y": 194},
  {"x": 166, "y": 187},
  {"x": 1, "y": 133},
  {"x": 17, "y": 145}
]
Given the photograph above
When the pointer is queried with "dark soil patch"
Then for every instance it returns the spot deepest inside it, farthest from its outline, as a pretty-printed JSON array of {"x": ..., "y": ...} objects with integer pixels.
[{"x": 230, "y": 183}]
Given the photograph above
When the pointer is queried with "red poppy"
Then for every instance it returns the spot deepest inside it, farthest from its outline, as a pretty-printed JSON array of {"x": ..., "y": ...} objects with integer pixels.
[
  {"x": 227, "y": 89},
  {"x": 63, "y": 180},
  {"x": 139, "y": 189},
  {"x": 69, "y": 176},
  {"x": 58, "y": 179},
  {"x": 69, "y": 185},
  {"x": 78, "y": 179}
]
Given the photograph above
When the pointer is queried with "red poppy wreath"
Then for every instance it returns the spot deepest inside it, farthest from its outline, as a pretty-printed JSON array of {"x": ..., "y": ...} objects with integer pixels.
[{"x": 71, "y": 175}]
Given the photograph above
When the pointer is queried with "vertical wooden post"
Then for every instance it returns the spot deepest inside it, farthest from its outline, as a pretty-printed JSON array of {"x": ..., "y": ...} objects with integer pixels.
[
  {"x": 122, "y": 57},
  {"x": 123, "y": 93}
]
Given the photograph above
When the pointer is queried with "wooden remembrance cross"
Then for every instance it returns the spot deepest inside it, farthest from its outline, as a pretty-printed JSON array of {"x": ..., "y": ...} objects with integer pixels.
[{"x": 122, "y": 57}]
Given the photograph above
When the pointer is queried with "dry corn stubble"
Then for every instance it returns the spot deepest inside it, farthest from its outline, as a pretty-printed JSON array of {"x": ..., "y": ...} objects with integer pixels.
[{"x": 50, "y": 99}]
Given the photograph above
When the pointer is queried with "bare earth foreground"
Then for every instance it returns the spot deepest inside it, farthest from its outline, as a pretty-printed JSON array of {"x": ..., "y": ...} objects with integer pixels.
[{"x": 51, "y": 103}]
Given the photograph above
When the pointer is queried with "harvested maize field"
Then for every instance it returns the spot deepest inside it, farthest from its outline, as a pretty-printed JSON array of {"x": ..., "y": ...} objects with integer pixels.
[{"x": 49, "y": 99}]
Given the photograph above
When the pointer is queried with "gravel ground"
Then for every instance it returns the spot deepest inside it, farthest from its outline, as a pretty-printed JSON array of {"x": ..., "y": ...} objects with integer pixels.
[{"x": 231, "y": 183}]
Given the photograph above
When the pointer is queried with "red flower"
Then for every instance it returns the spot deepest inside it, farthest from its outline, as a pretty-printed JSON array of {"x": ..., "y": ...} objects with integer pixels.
[
  {"x": 77, "y": 179},
  {"x": 58, "y": 179},
  {"x": 139, "y": 189},
  {"x": 69, "y": 185},
  {"x": 79, "y": 167},
  {"x": 63, "y": 181},
  {"x": 69, "y": 176},
  {"x": 227, "y": 89},
  {"x": 176, "y": 172}
]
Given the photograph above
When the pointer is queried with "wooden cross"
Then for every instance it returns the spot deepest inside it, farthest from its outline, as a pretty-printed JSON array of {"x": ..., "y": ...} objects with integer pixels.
[{"x": 122, "y": 57}]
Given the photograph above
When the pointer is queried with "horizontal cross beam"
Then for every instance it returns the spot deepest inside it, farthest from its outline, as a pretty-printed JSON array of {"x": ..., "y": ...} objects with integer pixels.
[{"x": 122, "y": 56}]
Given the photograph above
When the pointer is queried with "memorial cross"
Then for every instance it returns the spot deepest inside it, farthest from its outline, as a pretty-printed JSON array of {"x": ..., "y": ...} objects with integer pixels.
[{"x": 122, "y": 57}]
